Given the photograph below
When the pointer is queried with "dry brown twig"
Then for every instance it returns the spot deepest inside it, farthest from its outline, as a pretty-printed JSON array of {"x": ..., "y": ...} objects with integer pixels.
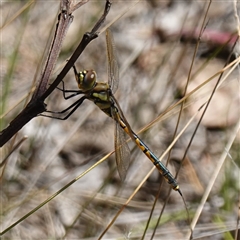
[{"x": 36, "y": 105}]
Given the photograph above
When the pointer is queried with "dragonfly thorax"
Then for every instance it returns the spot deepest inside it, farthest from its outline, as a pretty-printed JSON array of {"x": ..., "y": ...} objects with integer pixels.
[{"x": 86, "y": 80}]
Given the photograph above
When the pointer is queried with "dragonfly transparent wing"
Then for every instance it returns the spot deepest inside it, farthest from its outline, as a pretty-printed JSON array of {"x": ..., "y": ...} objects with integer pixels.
[
  {"x": 113, "y": 73},
  {"x": 122, "y": 151}
]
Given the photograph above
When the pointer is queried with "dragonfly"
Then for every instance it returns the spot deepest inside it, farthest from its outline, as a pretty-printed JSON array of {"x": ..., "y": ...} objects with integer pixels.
[{"x": 102, "y": 94}]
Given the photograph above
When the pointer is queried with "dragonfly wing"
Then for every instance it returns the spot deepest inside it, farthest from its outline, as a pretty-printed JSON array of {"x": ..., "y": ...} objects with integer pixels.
[
  {"x": 122, "y": 151},
  {"x": 113, "y": 73}
]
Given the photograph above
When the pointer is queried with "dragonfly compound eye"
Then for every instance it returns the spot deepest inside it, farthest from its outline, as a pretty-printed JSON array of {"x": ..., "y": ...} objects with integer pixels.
[{"x": 87, "y": 80}]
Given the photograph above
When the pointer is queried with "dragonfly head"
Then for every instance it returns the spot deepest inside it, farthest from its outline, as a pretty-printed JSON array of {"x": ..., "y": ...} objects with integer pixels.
[{"x": 86, "y": 80}]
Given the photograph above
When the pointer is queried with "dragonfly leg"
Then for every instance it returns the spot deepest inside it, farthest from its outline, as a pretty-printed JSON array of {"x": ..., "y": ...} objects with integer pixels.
[
  {"x": 75, "y": 70},
  {"x": 73, "y": 106},
  {"x": 76, "y": 73},
  {"x": 64, "y": 91}
]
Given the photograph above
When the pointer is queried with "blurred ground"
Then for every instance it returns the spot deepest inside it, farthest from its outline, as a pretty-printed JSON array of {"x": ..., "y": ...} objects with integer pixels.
[{"x": 155, "y": 42}]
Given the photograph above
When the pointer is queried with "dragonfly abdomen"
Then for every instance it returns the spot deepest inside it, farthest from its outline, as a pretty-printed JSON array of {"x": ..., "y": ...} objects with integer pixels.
[{"x": 145, "y": 149}]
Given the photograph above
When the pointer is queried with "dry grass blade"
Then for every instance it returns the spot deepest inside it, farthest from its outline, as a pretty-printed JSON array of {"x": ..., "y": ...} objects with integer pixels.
[
  {"x": 53, "y": 196},
  {"x": 212, "y": 181},
  {"x": 16, "y": 146}
]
